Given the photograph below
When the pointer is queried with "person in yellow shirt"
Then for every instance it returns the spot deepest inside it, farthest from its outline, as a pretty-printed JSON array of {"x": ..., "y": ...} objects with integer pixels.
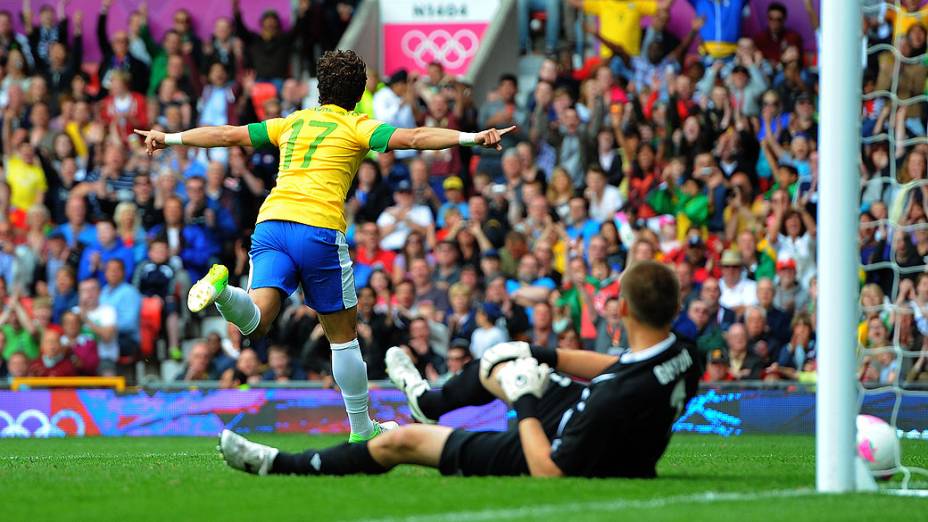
[
  {"x": 300, "y": 235},
  {"x": 910, "y": 13},
  {"x": 620, "y": 20},
  {"x": 24, "y": 173}
]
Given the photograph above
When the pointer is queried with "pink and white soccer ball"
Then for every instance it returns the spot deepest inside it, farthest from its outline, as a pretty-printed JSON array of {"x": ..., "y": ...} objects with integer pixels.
[{"x": 877, "y": 443}]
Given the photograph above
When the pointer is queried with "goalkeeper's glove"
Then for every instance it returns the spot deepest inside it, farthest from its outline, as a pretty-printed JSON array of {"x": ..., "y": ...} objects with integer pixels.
[
  {"x": 502, "y": 352},
  {"x": 523, "y": 382},
  {"x": 509, "y": 351}
]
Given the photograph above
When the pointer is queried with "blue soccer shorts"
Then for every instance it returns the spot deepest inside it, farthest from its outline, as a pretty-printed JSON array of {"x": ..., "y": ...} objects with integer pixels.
[{"x": 285, "y": 254}]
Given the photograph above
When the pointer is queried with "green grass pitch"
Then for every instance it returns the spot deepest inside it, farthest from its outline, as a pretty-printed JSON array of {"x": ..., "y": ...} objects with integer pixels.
[{"x": 167, "y": 479}]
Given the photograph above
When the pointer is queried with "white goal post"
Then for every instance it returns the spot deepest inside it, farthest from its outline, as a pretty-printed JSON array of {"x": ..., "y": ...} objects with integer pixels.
[{"x": 837, "y": 256}]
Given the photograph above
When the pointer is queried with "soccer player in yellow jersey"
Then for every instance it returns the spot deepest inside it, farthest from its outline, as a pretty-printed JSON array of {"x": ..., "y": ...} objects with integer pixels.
[{"x": 300, "y": 235}]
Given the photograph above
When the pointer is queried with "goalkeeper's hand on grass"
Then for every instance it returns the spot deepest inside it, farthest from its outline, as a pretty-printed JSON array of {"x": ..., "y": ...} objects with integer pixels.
[
  {"x": 523, "y": 377},
  {"x": 503, "y": 352}
]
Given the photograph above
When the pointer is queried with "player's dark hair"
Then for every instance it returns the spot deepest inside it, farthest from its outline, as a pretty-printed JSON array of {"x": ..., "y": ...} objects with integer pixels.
[
  {"x": 342, "y": 77},
  {"x": 777, "y": 6},
  {"x": 652, "y": 292}
]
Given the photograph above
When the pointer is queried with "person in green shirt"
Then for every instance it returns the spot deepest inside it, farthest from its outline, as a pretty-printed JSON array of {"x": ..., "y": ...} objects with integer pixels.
[{"x": 18, "y": 331}]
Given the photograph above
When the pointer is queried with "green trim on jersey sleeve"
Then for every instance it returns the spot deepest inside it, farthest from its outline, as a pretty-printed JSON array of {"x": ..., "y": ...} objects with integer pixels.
[
  {"x": 381, "y": 137},
  {"x": 258, "y": 134}
]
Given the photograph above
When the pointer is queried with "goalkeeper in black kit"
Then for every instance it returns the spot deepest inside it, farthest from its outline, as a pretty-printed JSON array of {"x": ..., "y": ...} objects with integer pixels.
[{"x": 617, "y": 425}]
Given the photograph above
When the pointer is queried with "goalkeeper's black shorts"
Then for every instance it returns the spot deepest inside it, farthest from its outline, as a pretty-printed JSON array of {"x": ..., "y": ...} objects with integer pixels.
[{"x": 497, "y": 453}]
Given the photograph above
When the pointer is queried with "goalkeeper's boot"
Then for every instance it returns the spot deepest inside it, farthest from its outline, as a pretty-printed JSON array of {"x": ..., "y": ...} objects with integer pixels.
[
  {"x": 406, "y": 377},
  {"x": 242, "y": 454},
  {"x": 206, "y": 290},
  {"x": 379, "y": 428}
]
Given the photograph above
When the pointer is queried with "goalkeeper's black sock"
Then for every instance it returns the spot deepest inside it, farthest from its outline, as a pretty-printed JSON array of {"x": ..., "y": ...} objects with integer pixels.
[
  {"x": 346, "y": 459},
  {"x": 464, "y": 389}
]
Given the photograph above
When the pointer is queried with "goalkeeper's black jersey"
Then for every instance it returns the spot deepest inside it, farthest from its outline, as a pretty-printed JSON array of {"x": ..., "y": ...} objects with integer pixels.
[{"x": 622, "y": 423}]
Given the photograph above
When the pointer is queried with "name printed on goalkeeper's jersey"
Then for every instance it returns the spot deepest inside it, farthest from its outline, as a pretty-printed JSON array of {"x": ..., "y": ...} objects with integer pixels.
[{"x": 667, "y": 372}]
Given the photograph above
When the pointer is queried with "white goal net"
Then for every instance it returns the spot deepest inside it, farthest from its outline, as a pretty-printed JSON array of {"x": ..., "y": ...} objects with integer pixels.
[{"x": 892, "y": 336}]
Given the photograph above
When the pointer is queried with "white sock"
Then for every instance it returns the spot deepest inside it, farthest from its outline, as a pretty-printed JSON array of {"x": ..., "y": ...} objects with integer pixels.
[
  {"x": 350, "y": 374},
  {"x": 236, "y": 306}
]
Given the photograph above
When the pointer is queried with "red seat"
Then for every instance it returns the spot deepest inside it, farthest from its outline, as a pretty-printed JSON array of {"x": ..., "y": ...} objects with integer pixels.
[
  {"x": 150, "y": 324},
  {"x": 261, "y": 93}
]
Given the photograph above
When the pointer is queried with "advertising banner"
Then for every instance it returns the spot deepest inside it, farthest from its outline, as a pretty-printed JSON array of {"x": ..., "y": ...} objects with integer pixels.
[
  {"x": 80, "y": 413},
  {"x": 416, "y": 33}
]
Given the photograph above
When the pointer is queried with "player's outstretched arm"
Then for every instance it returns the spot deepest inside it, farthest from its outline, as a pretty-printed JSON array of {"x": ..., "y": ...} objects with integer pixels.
[
  {"x": 578, "y": 363},
  {"x": 582, "y": 363},
  {"x": 433, "y": 138},
  {"x": 221, "y": 136}
]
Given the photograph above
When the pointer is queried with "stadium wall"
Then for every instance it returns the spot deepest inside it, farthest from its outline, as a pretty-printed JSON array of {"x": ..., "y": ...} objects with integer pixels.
[{"x": 104, "y": 412}]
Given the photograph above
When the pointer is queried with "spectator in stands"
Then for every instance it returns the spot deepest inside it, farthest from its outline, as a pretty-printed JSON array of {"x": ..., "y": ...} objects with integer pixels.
[
  {"x": 18, "y": 330},
  {"x": 777, "y": 321},
  {"x": 761, "y": 340},
  {"x": 487, "y": 334},
  {"x": 127, "y": 301},
  {"x": 198, "y": 364},
  {"x": 9, "y": 39},
  {"x": 799, "y": 349},
  {"x": 107, "y": 247},
  {"x": 448, "y": 266},
  {"x": 18, "y": 364},
  {"x": 24, "y": 172},
  {"x": 399, "y": 220},
  {"x": 458, "y": 357},
  {"x": 717, "y": 368},
  {"x": 421, "y": 350},
  {"x": 693, "y": 323},
  {"x": 426, "y": 290},
  {"x": 82, "y": 347},
  {"x": 501, "y": 110},
  {"x": 54, "y": 361},
  {"x": 743, "y": 364},
  {"x": 189, "y": 242},
  {"x": 223, "y": 47},
  {"x": 370, "y": 195},
  {"x": 528, "y": 288},
  {"x": 376, "y": 332},
  {"x": 279, "y": 367},
  {"x": 738, "y": 292},
  {"x": 710, "y": 294},
  {"x": 65, "y": 292},
  {"x": 247, "y": 370},
  {"x": 269, "y": 50},
  {"x": 116, "y": 55},
  {"x": 123, "y": 109},
  {"x": 221, "y": 354},
  {"x": 157, "y": 277},
  {"x": 101, "y": 321},
  {"x": 790, "y": 295}
]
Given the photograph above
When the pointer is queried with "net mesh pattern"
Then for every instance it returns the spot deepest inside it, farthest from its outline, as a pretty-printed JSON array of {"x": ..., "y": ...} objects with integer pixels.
[{"x": 884, "y": 368}]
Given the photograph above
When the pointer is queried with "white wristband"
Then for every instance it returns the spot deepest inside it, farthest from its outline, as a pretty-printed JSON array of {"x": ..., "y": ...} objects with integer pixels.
[
  {"x": 174, "y": 139},
  {"x": 467, "y": 139}
]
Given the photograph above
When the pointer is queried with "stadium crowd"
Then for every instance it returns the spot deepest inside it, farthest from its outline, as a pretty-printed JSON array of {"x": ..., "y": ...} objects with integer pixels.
[{"x": 696, "y": 149}]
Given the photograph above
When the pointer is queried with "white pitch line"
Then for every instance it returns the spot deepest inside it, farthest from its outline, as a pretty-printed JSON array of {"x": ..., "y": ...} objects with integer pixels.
[{"x": 546, "y": 510}]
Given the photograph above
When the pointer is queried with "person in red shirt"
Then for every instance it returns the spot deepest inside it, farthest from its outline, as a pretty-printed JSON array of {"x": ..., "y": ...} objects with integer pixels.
[
  {"x": 369, "y": 252},
  {"x": 54, "y": 361},
  {"x": 717, "y": 368},
  {"x": 123, "y": 108},
  {"x": 776, "y": 38}
]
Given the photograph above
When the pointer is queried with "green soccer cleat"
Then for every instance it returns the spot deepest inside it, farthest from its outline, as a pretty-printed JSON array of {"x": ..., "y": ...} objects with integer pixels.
[
  {"x": 206, "y": 290},
  {"x": 379, "y": 427}
]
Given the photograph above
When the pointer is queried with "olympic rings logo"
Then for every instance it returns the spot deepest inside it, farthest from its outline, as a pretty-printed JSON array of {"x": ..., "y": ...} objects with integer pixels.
[
  {"x": 47, "y": 427},
  {"x": 451, "y": 50}
]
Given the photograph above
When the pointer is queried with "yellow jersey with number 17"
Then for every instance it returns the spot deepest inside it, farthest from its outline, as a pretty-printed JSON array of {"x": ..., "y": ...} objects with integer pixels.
[{"x": 320, "y": 151}]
